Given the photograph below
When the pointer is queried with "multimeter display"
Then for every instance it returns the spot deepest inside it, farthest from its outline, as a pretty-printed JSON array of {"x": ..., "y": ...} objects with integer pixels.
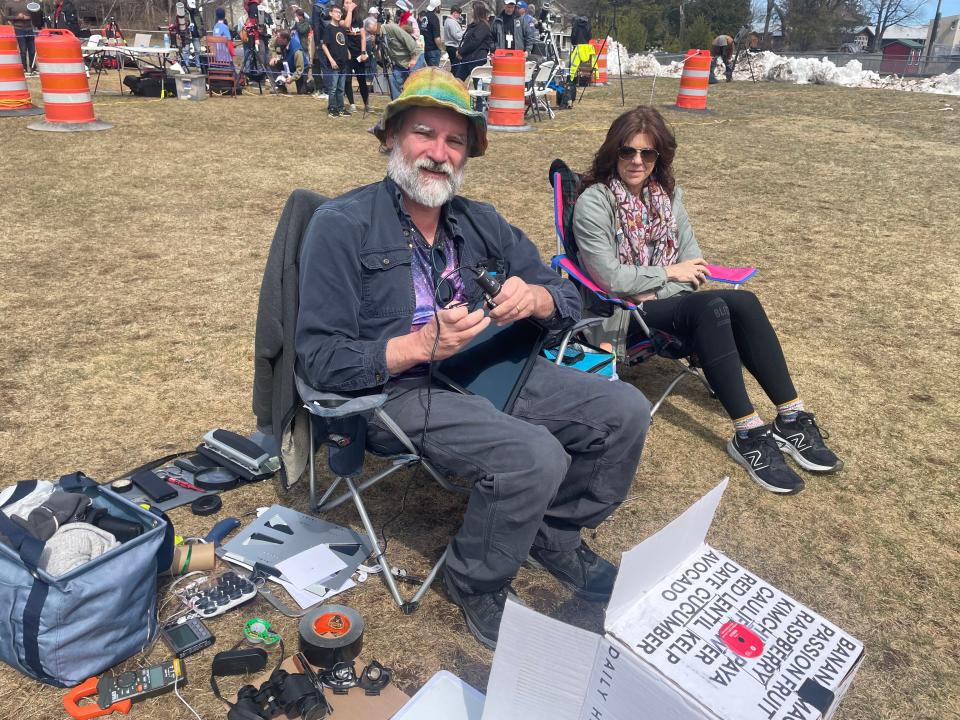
[
  {"x": 138, "y": 684},
  {"x": 156, "y": 676}
]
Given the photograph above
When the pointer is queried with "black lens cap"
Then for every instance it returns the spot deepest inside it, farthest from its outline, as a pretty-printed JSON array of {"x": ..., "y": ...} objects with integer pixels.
[{"x": 206, "y": 505}]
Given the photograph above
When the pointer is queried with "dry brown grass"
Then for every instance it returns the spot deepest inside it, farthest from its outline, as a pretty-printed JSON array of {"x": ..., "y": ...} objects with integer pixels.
[{"x": 130, "y": 262}]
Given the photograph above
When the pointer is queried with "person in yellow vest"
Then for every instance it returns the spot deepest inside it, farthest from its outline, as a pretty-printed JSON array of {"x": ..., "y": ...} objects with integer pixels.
[{"x": 723, "y": 48}]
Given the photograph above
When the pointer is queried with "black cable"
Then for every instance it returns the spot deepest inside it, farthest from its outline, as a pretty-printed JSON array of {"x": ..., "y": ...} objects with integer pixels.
[{"x": 426, "y": 418}]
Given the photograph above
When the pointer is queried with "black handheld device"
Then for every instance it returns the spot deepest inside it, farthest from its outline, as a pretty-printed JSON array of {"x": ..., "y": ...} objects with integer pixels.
[
  {"x": 139, "y": 684},
  {"x": 488, "y": 283},
  {"x": 187, "y": 638},
  {"x": 155, "y": 488}
]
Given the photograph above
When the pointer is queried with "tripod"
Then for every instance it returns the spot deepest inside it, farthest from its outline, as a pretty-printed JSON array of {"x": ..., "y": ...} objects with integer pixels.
[
  {"x": 253, "y": 67},
  {"x": 612, "y": 33},
  {"x": 738, "y": 41}
]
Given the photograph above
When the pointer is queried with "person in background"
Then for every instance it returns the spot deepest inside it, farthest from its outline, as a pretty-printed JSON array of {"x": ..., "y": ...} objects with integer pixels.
[
  {"x": 406, "y": 19},
  {"x": 476, "y": 42},
  {"x": 285, "y": 48},
  {"x": 530, "y": 34},
  {"x": 15, "y": 13},
  {"x": 357, "y": 40},
  {"x": 65, "y": 17},
  {"x": 371, "y": 26},
  {"x": 226, "y": 52},
  {"x": 636, "y": 242},
  {"x": 302, "y": 27},
  {"x": 338, "y": 59},
  {"x": 403, "y": 52},
  {"x": 725, "y": 49},
  {"x": 508, "y": 30},
  {"x": 430, "y": 30},
  {"x": 451, "y": 35},
  {"x": 321, "y": 69}
]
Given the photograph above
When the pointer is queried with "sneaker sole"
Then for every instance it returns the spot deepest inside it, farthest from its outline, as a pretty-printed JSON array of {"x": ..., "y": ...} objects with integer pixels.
[
  {"x": 738, "y": 459},
  {"x": 580, "y": 593},
  {"x": 798, "y": 458}
]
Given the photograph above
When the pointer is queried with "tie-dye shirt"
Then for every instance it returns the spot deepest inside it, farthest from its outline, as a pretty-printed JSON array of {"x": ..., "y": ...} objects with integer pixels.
[{"x": 423, "y": 286}]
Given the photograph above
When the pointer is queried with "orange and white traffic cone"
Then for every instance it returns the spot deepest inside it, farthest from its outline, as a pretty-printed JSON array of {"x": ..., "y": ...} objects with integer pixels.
[
  {"x": 63, "y": 81},
  {"x": 507, "y": 102},
  {"x": 692, "y": 96},
  {"x": 14, "y": 96}
]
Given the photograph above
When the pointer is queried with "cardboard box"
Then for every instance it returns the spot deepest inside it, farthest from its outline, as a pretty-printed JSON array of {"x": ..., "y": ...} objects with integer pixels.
[{"x": 690, "y": 635}]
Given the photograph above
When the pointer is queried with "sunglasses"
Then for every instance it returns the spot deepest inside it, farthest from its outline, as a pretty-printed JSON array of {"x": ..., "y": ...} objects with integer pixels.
[
  {"x": 443, "y": 290},
  {"x": 648, "y": 155}
]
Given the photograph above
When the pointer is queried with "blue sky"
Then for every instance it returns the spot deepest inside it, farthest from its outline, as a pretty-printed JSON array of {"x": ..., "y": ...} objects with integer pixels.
[{"x": 947, "y": 7}]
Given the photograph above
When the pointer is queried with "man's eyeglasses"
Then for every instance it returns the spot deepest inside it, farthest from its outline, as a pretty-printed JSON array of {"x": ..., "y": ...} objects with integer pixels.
[
  {"x": 648, "y": 155},
  {"x": 443, "y": 290}
]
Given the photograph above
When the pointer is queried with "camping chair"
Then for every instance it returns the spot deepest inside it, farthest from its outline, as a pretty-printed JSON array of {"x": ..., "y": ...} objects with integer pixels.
[
  {"x": 337, "y": 421},
  {"x": 220, "y": 65},
  {"x": 656, "y": 342},
  {"x": 340, "y": 422},
  {"x": 479, "y": 86},
  {"x": 537, "y": 90}
]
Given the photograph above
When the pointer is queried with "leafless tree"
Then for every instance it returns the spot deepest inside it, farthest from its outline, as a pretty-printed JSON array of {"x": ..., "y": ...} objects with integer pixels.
[{"x": 887, "y": 13}]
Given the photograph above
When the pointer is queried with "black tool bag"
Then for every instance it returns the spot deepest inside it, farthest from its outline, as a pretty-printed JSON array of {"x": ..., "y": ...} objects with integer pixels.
[{"x": 150, "y": 83}]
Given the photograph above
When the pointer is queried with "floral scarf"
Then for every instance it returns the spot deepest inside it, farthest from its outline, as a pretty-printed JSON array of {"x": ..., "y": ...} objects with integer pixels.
[{"x": 647, "y": 222}]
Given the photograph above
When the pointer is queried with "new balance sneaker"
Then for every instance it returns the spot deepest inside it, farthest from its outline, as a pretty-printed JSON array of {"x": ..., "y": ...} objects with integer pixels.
[
  {"x": 333, "y": 114},
  {"x": 589, "y": 576},
  {"x": 481, "y": 611},
  {"x": 760, "y": 456},
  {"x": 344, "y": 112},
  {"x": 803, "y": 440}
]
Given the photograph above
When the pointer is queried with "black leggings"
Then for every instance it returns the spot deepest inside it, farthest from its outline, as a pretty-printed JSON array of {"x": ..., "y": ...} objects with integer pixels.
[
  {"x": 724, "y": 328},
  {"x": 360, "y": 70}
]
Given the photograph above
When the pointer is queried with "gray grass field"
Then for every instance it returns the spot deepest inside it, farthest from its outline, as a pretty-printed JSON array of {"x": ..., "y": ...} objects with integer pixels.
[{"x": 130, "y": 263}]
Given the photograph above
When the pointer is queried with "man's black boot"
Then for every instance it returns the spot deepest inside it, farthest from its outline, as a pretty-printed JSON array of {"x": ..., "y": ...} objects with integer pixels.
[
  {"x": 582, "y": 570},
  {"x": 482, "y": 611}
]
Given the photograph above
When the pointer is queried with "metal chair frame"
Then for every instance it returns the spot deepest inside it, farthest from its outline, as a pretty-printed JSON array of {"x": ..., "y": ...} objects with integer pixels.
[{"x": 320, "y": 404}]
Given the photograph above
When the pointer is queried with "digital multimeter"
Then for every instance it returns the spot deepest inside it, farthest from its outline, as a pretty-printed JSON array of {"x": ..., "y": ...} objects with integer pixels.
[
  {"x": 136, "y": 685},
  {"x": 187, "y": 638}
]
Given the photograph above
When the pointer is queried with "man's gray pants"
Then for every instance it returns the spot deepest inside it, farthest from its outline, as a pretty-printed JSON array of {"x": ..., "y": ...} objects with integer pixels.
[{"x": 564, "y": 459}]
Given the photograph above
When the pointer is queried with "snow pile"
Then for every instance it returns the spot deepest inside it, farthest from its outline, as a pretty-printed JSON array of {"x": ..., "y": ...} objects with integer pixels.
[
  {"x": 638, "y": 64},
  {"x": 801, "y": 71},
  {"x": 943, "y": 83}
]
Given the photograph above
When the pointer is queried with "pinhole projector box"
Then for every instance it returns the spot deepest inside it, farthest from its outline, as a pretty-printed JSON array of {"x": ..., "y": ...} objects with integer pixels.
[{"x": 690, "y": 635}]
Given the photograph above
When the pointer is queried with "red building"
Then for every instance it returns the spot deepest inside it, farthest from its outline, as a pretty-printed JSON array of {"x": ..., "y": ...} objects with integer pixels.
[{"x": 901, "y": 57}]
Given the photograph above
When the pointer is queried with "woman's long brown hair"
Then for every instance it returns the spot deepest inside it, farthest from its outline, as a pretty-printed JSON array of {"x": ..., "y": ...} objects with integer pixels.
[{"x": 642, "y": 119}]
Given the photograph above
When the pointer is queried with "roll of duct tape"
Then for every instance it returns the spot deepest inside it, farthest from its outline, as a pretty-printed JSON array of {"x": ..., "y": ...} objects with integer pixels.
[{"x": 331, "y": 634}]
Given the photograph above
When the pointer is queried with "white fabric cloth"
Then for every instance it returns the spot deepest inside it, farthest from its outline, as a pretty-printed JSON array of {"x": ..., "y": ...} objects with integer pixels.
[
  {"x": 23, "y": 507},
  {"x": 73, "y": 545}
]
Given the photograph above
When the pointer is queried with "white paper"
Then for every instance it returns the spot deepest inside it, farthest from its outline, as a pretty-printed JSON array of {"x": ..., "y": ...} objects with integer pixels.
[
  {"x": 540, "y": 669},
  {"x": 308, "y": 598},
  {"x": 313, "y": 565}
]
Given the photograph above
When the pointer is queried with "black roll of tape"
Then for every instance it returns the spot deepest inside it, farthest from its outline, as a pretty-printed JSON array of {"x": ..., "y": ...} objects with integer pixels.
[
  {"x": 331, "y": 634},
  {"x": 206, "y": 505}
]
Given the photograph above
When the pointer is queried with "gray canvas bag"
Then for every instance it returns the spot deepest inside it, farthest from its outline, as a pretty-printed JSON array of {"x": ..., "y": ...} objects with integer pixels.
[{"x": 63, "y": 630}]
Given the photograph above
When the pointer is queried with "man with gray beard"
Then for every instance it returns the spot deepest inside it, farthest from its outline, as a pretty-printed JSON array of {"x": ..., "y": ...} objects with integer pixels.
[{"x": 382, "y": 296}]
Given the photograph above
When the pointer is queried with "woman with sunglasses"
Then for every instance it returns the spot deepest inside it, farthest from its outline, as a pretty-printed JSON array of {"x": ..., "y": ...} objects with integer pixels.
[{"x": 636, "y": 242}]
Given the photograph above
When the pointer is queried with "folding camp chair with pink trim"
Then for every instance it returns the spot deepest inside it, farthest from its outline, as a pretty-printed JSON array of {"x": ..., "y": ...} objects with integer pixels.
[{"x": 657, "y": 342}]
